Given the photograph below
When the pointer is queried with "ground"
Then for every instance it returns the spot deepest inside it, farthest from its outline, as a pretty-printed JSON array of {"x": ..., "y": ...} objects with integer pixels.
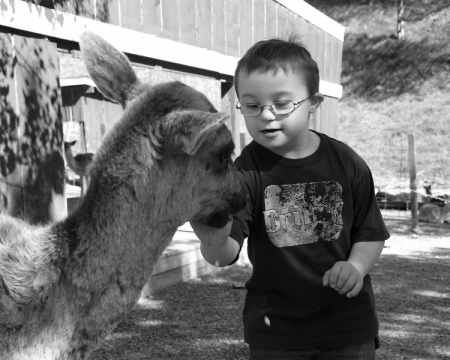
[{"x": 201, "y": 319}]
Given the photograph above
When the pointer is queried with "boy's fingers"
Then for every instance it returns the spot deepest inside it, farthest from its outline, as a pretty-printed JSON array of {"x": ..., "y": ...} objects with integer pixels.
[
  {"x": 326, "y": 278},
  {"x": 356, "y": 289},
  {"x": 343, "y": 278},
  {"x": 334, "y": 275},
  {"x": 349, "y": 285}
]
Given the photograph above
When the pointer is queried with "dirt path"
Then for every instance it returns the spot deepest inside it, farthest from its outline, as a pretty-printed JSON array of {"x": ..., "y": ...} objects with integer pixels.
[{"x": 201, "y": 319}]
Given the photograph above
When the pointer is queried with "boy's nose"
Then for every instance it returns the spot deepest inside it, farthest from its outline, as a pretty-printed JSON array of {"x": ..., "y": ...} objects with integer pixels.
[{"x": 267, "y": 114}]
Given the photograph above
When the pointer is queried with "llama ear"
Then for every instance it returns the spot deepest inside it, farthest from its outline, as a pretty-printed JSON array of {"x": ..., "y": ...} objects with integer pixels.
[
  {"x": 109, "y": 68},
  {"x": 189, "y": 130}
]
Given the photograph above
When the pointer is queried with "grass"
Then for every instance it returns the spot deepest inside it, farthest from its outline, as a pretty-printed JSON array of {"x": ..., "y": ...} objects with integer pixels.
[
  {"x": 392, "y": 88},
  {"x": 201, "y": 319}
]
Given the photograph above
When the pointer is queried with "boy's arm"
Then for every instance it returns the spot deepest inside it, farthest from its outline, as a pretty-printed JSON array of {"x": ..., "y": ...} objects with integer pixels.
[
  {"x": 216, "y": 246},
  {"x": 364, "y": 255},
  {"x": 346, "y": 277}
]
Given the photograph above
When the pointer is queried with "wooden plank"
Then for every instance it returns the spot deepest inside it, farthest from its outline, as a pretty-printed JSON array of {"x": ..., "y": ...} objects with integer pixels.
[
  {"x": 177, "y": 275},
  {"x": 84, "y": 8},
  {"x": 188, "y": 256},
  {"x": 413, "y": 182},
  {"x": 282, "y": 22},
  {"x": 188, "y": 25},
  {"x": 92, "y": 126},
  {"x": 302, "y": 28},
  {"x": 152, "y": 15},
  {"x": 245, "y": 25},
  {"x": 204, "y": 24},
  {"x": 107, "y": 11},
  {"x": 131, "y": 14},
  {"x": 271, "y": 19},
  {"x": 41, "y": 132},
  {"x": 329, "y": 110},
  {"x": 170, "y": 20},
  {"x": 33, "y": 18},
  {"x": 315, "y": 17},
  {"x": 259, "y": 20},
  {"x": 11, "y": 200},
  {"x": 320, "y": 45},
  {"x": 218, "y": 23},
  {"x": 232, "y": 27}
]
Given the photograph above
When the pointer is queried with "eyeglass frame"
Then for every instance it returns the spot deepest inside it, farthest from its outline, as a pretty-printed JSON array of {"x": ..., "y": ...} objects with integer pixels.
[{"x": 272, "y": 110}]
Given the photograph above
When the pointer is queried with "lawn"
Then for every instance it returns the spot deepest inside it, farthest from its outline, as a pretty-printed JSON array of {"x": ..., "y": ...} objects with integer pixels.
[{"x": 201, "y": 319}]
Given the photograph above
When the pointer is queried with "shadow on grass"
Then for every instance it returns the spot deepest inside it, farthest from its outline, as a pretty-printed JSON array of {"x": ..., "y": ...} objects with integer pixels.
[
  {"x": 376, "y": 68},
  {"x": 399, "y": 223},
  {"x": 200, "y": 319},
  {"x": 413, "y": 298}
]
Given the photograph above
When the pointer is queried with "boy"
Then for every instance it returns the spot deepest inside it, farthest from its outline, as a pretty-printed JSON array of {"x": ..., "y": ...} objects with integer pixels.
[{"x": 313, "y": 225}]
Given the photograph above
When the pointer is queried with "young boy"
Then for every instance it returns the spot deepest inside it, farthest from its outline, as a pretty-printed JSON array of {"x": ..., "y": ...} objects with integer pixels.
[{"x": 313, "y": 224}]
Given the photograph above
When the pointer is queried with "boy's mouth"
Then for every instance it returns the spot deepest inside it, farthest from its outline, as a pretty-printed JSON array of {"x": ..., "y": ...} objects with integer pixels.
[{"x": 270, "y": 131}]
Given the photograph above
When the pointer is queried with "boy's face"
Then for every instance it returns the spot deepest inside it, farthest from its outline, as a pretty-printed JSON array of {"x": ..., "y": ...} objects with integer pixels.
[{"x": 285, "y": 135}]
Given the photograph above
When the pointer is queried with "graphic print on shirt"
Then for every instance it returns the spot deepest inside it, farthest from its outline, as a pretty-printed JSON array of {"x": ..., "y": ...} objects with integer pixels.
[{"x": 303, "y": 213}]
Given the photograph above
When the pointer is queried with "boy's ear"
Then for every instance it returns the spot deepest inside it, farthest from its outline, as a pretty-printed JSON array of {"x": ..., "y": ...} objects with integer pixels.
[{"x": 316, "y": 100}]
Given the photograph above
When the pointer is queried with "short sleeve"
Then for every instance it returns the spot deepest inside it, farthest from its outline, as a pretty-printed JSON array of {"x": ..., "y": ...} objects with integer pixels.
[{"x": 368, "y": 223}]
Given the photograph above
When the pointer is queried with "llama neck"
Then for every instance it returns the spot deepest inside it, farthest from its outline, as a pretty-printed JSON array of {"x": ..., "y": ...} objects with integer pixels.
[{"x": 122, "y": 231}]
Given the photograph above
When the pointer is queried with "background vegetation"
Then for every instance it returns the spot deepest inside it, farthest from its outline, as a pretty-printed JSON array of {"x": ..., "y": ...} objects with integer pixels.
[{"x": 392, "y": 87}]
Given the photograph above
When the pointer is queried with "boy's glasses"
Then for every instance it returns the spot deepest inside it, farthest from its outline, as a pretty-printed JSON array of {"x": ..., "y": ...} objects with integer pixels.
[{"x": 277, "y": 108}]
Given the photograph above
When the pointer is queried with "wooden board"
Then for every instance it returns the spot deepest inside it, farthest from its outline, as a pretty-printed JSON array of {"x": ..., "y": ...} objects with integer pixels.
[
  {"x": 11, "y": 200},
  {"x": 259, "y": 20},
  {"x": 245, "y": 25},
  {"x": 188, "y": 22},
  {"x": 131, "y": 14},
  {"x": 218, "y": 26},
  {"x": 151, "y": 17},
  {"x": 107, "y": 11},
  {"x": 232, "y": 27},
  {"x": 283, "y": 29},
  {"x": 271, "y": 19},
  {"x": 204, "y": 24},
  {"x": 170, "y": 20},
  {"x": 41, "y": 132},
  {"x": 84, "y": 8}
]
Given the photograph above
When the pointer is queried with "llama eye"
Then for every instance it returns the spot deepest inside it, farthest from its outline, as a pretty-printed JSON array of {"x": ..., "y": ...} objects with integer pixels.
[{"x": 226, "y": 158}]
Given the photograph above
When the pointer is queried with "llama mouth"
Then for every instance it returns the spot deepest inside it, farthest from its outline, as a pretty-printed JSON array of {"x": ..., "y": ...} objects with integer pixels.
[{"x": 218, "y": 219}]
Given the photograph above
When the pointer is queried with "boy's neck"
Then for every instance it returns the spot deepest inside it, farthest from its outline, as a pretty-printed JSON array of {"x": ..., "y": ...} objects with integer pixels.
[{"x": 307, "y": 147}]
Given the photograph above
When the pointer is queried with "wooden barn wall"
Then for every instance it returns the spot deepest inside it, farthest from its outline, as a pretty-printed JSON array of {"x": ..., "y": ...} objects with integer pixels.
[
  {"x": 226, "y": 26},
  {"x": 93, "y": 115},
  {"x": 31, "y": 160}
]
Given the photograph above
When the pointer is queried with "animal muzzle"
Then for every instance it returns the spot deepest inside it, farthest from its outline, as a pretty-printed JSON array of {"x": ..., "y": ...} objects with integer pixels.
[{"x": 220, "y": 218}]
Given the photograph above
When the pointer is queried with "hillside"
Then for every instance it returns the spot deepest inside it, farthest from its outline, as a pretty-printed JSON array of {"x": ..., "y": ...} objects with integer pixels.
[{"x": 392, "y": 88}]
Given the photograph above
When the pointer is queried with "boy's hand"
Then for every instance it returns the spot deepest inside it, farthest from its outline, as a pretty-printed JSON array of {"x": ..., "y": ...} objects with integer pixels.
[
  {"x": 209, "y": 235},
  {"x": 344, "y": 278},
  {"x": 216, "y": 246}
]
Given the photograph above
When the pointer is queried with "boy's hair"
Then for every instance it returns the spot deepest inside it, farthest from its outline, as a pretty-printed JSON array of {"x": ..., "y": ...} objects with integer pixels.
[{"x": 275, "y": 54}]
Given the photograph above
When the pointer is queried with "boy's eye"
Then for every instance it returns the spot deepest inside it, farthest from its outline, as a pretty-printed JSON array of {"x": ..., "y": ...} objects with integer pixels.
[
  {"x": 282, "y": 105},
  {"x": 250, "y": 106}
]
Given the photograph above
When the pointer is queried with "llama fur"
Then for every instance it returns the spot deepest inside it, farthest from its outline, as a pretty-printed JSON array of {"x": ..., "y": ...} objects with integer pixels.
[{"x": 65, "y": 286}]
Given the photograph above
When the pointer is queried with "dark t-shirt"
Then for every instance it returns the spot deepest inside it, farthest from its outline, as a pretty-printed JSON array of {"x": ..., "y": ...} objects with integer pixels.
[{"x": 304, "y": 215}]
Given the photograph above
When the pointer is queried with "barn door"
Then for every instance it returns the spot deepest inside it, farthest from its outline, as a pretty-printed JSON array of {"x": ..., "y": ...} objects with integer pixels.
[{"x": 31, "y": 135}]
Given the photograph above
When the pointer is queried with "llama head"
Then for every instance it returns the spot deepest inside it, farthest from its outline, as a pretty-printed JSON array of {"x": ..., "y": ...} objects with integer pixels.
[{"x": 178, "y": 124}]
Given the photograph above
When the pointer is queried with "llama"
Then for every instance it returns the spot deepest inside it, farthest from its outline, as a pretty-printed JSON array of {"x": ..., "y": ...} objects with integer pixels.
[
  {"x": 434, "y": 213},
  {"x": 65, "y": 286},
  {"x": 79, "y": 164}
]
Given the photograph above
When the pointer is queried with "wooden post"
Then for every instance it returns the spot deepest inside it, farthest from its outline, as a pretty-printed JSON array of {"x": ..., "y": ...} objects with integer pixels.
[
  {"x": 229, "y": 105},
  {"x": 31, "y": 145},
  {"x": 412, "y": 182}
]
